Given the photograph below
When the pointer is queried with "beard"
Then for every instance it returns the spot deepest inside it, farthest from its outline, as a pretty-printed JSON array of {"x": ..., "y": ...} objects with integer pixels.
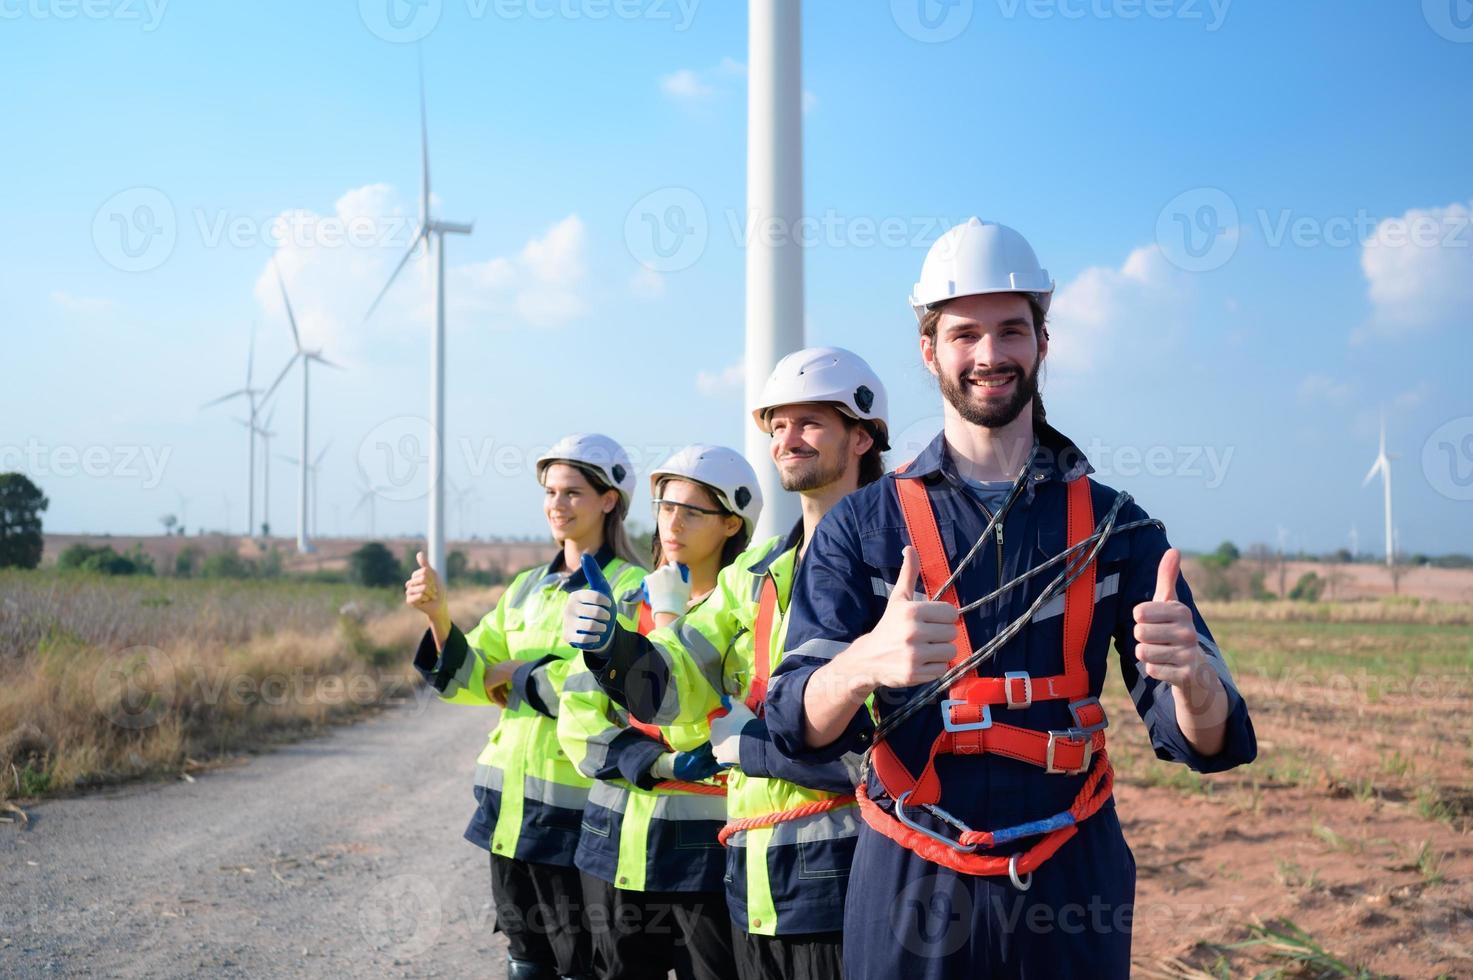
[
  {"x": 958, "y": 391},
  {"x": 812, "y": 473}
]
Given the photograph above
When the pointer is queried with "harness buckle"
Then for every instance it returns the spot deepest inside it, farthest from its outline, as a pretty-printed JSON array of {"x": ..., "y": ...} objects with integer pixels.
[
  {"x": 1070, "y": 734},
  {"x": 1080, "y": 724},
  {"x": 969, "y": 726},
  {"x": 1007, "y": 688}
]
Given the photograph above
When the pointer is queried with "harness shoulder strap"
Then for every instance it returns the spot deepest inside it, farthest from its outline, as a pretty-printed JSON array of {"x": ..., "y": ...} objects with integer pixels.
[{"x": 762, "y": 644}]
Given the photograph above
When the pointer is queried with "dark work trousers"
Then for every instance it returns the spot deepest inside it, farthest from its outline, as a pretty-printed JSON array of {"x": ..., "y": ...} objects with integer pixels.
[
  {"x": 906, "y": 917},
  {"x": 539, "y": 908},
  {"x": 815, "y": 956},
  {"x": 639, "y": 935}
]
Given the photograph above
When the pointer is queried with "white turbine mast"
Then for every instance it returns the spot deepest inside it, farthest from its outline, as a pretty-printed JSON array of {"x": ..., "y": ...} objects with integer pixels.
[
  {"x": 431, "y": 233},
  {"x": 249, "y": 393},
  {"x": 306, "y": 356},
  {"x": 1382, "y": 465}
]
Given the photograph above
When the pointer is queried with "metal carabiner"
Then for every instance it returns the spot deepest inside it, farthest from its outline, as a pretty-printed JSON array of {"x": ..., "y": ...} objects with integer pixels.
[{"x": 954, "y": 845}]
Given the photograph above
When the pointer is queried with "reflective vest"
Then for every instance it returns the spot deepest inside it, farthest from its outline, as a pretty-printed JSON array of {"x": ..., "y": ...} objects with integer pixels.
[
  {"x": 656, "y": 838},
  {"x": 783, "y": 877},
  {"x": 972, "y": 720},
  {"x": 531, "y": 796}
]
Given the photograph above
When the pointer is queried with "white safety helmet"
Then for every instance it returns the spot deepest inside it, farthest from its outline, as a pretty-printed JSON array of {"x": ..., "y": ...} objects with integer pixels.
[
  {"x": 979, "y": 257},
  {"x": 826, "y": 374},
  {"x": 597, "y": 452},
  {"x": 725, "y": 471}
]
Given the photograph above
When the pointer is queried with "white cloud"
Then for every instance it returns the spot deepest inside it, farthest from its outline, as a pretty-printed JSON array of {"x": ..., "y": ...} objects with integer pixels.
[
  {"x": 1419, "y": 271},
  {"x": 646, "y": 283},
  {"x": 1105, "y": 314},
  {"x": 693, "y": 85},
  {"x": 335, "y": 265},
  {"x": 80, "y": 304},
  {"x": 729, "y": 378},
  {"x": 1320, "y": 389},
  {"x": 685, "y": 84}
]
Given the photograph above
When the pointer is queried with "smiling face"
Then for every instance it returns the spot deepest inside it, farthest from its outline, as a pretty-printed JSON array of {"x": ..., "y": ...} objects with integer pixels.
[
  {"x": 688, "y": 536},
  {"x": 813, "y": 446},
  {"x": 986, "y": 355},
  {"x": 573, "y": 508}
]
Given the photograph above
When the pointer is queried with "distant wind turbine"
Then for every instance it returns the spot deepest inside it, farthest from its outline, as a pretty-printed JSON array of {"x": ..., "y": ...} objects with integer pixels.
[
  {"x": 1382, "y": 465},
  {"x": 312, "y": 473},
  {"x": 432, "y": 232},
  {"x": 368, "y": 497},
  {"x": 304, "y": 542},
  {"x": 249, "y": 394}
]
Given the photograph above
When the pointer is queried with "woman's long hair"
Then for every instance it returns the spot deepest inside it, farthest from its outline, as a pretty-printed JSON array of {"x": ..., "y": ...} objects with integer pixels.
[{"x": 615, "y": 535}]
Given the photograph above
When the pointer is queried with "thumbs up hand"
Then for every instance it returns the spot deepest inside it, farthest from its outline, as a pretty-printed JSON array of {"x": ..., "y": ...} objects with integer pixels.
[
  {"x": 588, "y": 618},
  {"x": 423, "y": 590},
  {"x": 1165, "y": 634},
  {"x": 912, "y": 642},
  {"x": 667, "y": 589}
]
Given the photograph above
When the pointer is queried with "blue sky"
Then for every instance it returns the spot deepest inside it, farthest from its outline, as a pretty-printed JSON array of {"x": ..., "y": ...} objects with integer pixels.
[{"x": 1230, "y": 379}]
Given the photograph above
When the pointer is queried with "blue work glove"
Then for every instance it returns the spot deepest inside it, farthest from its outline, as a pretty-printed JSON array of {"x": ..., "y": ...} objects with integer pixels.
[
  {"x": 588, "y": 618},
  {"x": 697, "y": 764}
]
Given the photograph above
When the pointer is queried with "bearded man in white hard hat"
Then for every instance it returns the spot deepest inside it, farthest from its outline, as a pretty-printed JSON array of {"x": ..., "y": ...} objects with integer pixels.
[{"x": 973, "y": 597}]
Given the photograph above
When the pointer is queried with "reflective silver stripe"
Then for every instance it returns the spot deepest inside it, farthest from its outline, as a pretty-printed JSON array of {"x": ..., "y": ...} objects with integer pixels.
[
  {"x": 1105, "y": 588},
  {"x": 488, "y": 776},
  {"x": 525, "y": 587},
  {"x": 596, "y": 752},
  {"x": 581, "y": 681},
  {"x": 702, "y": 651},
  {"x": 1219, "y": 662},
  {"x": 554, "y": 794},
  {"x": 689, "y": 806},
  {"x": 545, "y": 690},
  {"x": 819, "y": 648},
  {"x": 609, "y": 795},
  {"x": 1139, "y": 690},
  {"x": 883, "y": 589},
  {"x": 831, "y": 825},
  {"x": 514, "y": 699}
]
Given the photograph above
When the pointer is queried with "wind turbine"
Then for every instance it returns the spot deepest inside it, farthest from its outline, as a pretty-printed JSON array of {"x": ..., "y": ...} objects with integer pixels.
[
  {"x": 266, "y": 434},
  {"x": 1382, "y": 465},
  {"x": 368, "y": 497},
  {"x": 432, "y": 232},
  {"x": 304, "y": 543},
  {"x": 461, "y": 496},
  {"x": 249, "y": 394},
  {"x": 312, "y": 472}
]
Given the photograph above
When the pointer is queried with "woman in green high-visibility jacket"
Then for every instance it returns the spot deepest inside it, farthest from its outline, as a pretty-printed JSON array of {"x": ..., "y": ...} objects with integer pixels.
[
  {"x": 529, "y": 796},
  {"x": 651, "y": 862}
]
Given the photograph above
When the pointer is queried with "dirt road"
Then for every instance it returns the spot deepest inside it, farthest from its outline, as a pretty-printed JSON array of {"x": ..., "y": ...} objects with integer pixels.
[{"x": 340, "y": 856}]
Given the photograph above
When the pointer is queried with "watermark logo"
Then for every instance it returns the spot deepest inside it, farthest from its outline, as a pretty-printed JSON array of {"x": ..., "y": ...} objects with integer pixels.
[
  {"x": 666, "y": 230},
  {"x": 1198, "y": 229},
  {"x": 134, "y": 688},
  {"x": 402, "y": 915},
  {"x": 932, "y": 917},
  {"x": 135, "y": 230},
  {"x": 400, "y": 21},
  {"x": 394, "y": 458},
  {"x": 1451, "y": 19},
  {"x": 931, "y": 21},
  {"x": 1447, "y": 459}
]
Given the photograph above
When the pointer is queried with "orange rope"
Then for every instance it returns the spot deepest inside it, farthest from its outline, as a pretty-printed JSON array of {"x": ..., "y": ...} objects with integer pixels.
[
  {"x": 782, "y": 816},
  {"x": 704, "y": 789}
]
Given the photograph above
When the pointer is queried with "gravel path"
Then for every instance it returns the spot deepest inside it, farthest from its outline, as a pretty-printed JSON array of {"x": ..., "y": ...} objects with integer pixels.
[{"x": 340, "y": 856}]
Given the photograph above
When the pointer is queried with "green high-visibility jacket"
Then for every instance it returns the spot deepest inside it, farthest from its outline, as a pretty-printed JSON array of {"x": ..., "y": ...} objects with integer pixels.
[
  {"x": 639, "y": 834},
  {"x": 787, "y": 879},
  {"x": 529, "y": 796}
]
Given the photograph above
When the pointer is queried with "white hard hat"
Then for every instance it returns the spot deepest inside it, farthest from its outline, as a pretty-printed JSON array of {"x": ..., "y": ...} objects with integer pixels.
[
  {"x": 979, "y": 257},
  {"x": 826, "y": 374},
  {"x": 597, "y": 452},
  {"x": 725, "y": 471}
]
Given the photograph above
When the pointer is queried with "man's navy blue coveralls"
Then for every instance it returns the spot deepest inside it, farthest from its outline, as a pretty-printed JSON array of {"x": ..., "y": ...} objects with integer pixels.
[{"x": 906, "y": 917}]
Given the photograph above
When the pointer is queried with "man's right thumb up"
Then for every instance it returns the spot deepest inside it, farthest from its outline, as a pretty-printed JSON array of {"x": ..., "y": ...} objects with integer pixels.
[{"x": 905, "y": 582}]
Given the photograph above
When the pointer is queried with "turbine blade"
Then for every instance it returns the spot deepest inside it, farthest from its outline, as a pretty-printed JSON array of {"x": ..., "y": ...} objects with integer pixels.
[
  {"x": 290, "y": 317},
  {"x": 395, "y": 274},
  {"x": 290, "y": 361},
  {"x": 325, "y": 448},
  {"x": 225, "y": 398},
  {"x": 322, "y": 360},
  {"x": 424, "y": 149},
  {"x": 1376, "y": 467}
]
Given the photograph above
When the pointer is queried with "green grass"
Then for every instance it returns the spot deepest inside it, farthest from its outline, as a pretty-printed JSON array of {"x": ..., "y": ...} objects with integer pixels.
[{"x": 1403, "y": 654}]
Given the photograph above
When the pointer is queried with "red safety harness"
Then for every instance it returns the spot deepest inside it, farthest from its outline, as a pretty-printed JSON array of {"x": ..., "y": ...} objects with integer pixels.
[{"x": 969, "y": 727}]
